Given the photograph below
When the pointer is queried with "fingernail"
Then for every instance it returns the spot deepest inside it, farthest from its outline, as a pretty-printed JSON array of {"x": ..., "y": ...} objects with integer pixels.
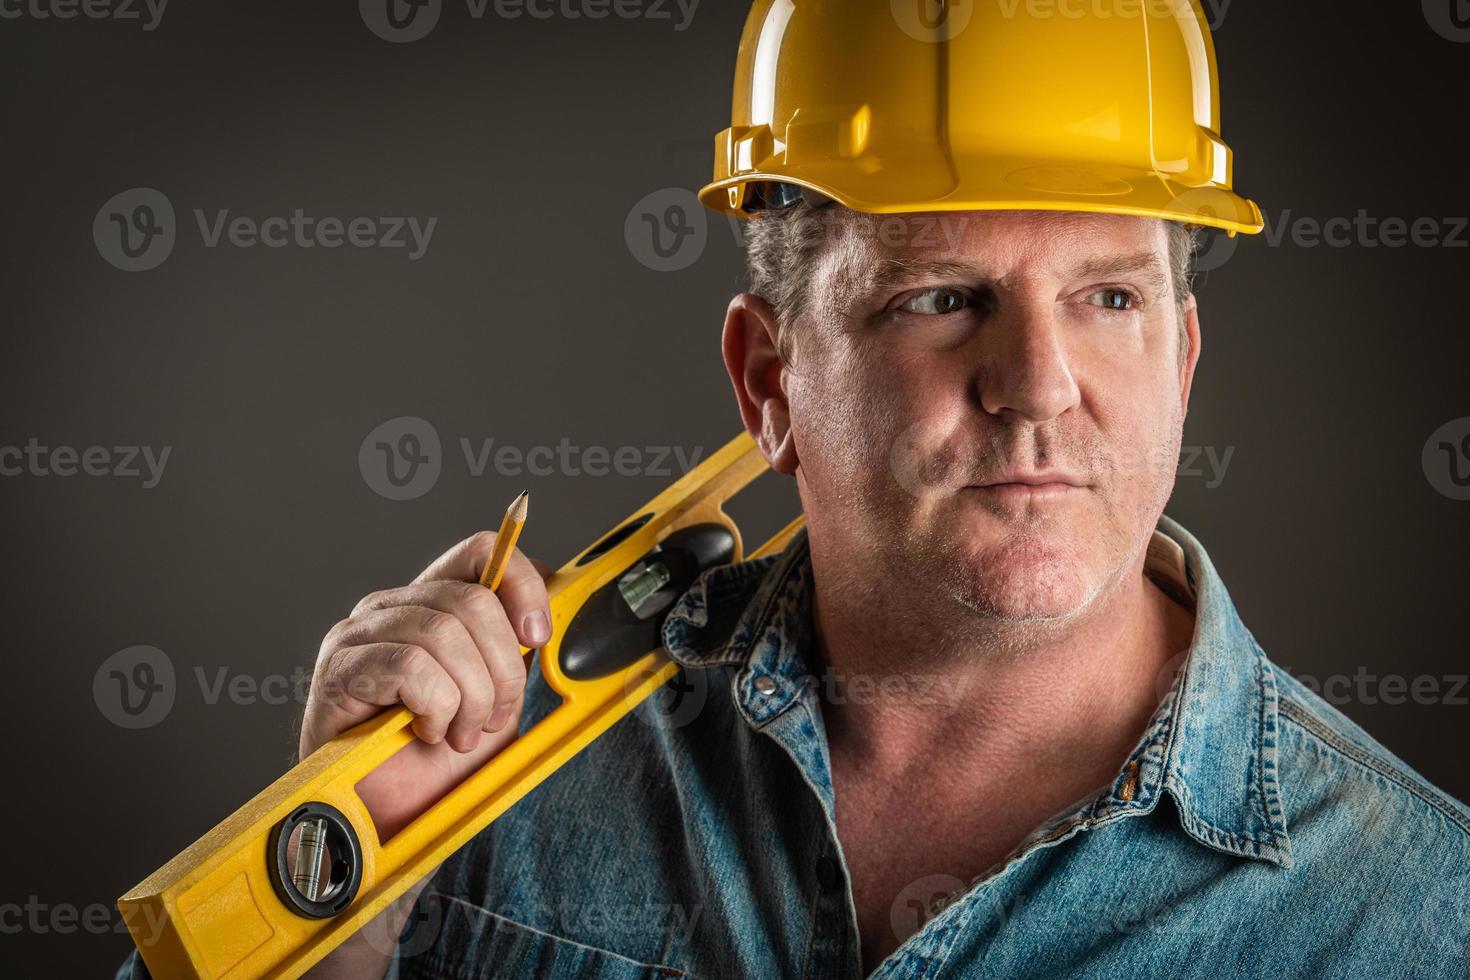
[
  {"x": 498, "y": 718},
  {"x": 538, "y": 627}
]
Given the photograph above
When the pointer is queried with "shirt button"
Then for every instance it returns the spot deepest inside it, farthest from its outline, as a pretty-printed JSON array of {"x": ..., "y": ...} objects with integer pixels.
[
  {"x": 765, "y": 685},
  {"x": 827, "y": 875}
]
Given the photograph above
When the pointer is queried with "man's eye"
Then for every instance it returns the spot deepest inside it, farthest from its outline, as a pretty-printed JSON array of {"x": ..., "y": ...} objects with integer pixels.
[
  {"x": 1113, "y": 299},
  {"x": 937, "y": 302}
]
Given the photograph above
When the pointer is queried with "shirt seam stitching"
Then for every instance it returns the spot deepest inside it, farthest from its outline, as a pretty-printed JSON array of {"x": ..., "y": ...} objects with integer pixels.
[
  {"x": 1218, "y": 831},
  {"x": 1312, "y": 725},
  {"x": 555, "y": 938},
  {"x": 1171, "y": 781},
  {"x": 1272, "y": 811}
]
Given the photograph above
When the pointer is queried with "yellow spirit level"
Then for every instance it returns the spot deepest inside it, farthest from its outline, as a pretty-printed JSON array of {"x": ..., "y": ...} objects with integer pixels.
[{"x": 232, "y": 906}]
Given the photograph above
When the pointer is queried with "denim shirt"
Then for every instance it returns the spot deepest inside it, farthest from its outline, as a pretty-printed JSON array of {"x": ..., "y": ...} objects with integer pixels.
[{"x": 1253, "y": 831}]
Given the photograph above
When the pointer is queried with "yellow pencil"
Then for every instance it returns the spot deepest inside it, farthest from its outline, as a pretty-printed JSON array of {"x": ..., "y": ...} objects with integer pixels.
[{"x": 505, "y": 541}]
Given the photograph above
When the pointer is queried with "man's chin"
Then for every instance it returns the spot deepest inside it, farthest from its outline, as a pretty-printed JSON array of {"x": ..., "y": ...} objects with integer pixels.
[{"x": 1027, "y": 575}]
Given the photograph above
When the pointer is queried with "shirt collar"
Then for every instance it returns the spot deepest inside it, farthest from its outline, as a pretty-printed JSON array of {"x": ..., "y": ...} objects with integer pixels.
[
  {"x": 1211, "y": 743},
  {"x": 755, "y": 615},
  {"x": 1218, "y": 725}
]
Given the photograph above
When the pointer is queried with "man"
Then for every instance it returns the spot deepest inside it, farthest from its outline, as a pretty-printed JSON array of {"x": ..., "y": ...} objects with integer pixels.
[{"x": 990, "y": 714}]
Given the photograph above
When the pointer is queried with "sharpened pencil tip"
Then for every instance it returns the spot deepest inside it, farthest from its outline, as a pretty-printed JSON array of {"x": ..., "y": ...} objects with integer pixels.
[{"x": 520, "y": 506}]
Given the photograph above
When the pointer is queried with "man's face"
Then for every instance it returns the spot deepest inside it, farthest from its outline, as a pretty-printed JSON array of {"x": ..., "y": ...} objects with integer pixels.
[{"x": 991, "y": 402}]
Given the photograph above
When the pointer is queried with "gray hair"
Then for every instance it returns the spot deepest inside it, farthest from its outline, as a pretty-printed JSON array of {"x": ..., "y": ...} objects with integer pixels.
[{"x": 783, "y": 247}]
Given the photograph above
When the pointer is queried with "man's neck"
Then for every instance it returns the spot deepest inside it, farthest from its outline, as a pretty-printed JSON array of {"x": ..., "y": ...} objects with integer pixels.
[
  {"x": 896, "y": 691},
  {"x": 950, "y": 742}
]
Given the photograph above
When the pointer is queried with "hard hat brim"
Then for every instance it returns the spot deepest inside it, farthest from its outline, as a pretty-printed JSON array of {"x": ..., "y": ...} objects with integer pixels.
[{"x": 993, "y": 185}]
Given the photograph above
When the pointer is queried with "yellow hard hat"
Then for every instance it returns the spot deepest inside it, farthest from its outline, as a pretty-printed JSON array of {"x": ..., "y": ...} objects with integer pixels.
[{"x": 1067, "y": 105}]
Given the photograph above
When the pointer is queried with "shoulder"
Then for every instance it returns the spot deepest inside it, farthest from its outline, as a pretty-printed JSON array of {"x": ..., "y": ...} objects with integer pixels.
[
  {"x": 1380, "y": 855},
  {"x": 1321, "y": 747}
]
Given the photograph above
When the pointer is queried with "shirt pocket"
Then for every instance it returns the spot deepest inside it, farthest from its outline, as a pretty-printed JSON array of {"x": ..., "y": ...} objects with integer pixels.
[{"x": 473, "y": 943}]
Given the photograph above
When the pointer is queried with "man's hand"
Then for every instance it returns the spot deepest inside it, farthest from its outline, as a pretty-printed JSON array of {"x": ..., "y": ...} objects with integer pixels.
[{"x": 448, "y": 649}]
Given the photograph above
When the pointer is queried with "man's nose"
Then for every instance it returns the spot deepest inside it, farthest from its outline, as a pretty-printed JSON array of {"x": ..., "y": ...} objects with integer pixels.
[{"x": 1024, "y": 370}]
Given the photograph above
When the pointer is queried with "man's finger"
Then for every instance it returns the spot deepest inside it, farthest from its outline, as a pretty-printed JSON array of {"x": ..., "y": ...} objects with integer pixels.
[
  {"x": 357, "y": 679},
  {"x": 483, "y": 614},
  {"x": 522, "y": 590},
  {"x": 446, "y": 638}
]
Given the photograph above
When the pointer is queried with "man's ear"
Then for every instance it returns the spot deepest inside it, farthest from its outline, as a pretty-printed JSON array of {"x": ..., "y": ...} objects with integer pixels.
[
  {"x": 755, "y": 367},
  {"x": 1187, "y": 366}
]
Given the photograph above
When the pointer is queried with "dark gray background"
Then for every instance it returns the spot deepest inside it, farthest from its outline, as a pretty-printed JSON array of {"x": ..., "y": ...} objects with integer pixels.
[{"x": 1326, "y": 369}]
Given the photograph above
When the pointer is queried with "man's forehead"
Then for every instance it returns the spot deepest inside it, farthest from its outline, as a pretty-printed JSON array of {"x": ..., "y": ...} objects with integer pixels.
[{"x": 890, "y": 249}]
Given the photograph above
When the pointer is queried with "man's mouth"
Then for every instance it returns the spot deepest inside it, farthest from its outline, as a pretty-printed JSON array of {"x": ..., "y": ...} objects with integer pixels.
[{"x": 1036, "y": 485}]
